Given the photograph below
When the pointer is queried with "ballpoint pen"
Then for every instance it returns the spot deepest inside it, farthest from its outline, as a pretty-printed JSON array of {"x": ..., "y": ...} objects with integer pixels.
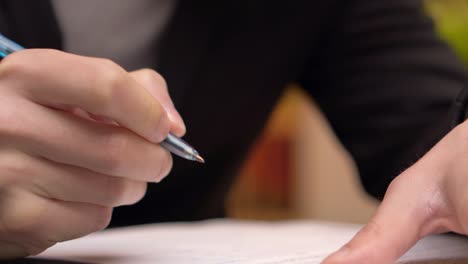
[{"x": 172, "y": 143}]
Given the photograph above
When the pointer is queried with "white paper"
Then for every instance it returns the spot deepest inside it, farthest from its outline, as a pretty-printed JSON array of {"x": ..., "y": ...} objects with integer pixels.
[{"x": 233, "y": 242}]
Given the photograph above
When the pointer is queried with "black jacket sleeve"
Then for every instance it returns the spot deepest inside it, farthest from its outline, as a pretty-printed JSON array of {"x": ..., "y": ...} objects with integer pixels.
[{"x": 386, "y": 84}]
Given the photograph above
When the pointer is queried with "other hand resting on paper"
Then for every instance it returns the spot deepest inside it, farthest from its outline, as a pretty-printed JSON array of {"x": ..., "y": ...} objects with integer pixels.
[
  {"x": 430, "y": 197},
  {"x": 64, "y": 161}
]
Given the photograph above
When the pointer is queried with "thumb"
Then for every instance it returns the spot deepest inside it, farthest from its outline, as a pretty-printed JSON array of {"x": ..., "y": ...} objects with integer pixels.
[
  {"x": 394, "y": 229},
  {"x": 156, "y": 86}
]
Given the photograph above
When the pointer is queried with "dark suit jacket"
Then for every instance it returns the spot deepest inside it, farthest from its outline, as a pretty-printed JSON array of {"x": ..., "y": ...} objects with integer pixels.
[{"x": 376, "y": 68}]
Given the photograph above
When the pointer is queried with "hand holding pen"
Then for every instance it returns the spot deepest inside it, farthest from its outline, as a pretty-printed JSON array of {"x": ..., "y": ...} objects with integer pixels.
[
  {"x": 62, "y": 174},
  {"x": 172, "y": 143}
]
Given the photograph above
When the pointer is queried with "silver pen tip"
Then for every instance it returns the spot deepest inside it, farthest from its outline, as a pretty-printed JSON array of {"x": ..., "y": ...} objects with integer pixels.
[{"x": 199, "y": 159}]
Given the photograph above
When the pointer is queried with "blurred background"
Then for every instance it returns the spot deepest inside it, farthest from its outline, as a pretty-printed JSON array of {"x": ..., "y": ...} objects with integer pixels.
[{"x": 298, "y": 169}]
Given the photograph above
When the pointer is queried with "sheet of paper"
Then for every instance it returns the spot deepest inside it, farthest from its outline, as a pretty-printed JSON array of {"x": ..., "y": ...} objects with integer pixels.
[{"x": 233, "y": 242}]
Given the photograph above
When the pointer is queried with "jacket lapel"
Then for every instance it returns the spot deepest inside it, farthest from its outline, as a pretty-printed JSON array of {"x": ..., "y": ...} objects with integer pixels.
[
  {"x": 185, "y": 43},
  {"x": 183, "y": 46},
  {"x": 31, "y": 23}
]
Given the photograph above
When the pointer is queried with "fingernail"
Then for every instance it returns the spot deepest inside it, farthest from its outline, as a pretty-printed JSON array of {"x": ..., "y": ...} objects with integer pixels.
[{"x": 175, "y": 118}]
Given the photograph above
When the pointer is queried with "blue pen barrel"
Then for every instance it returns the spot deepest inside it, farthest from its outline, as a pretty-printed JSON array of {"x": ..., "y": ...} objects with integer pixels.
[{"x": 8, "y": 46}]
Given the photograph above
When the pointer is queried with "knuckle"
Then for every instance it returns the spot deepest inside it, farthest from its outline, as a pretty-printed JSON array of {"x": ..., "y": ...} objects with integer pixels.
[
  {"x": 15, "y": 120},
  {"x": 19, "y": 63},
  {"x": 17, "y": 168},
  {"x": 110, "y": 81},
  {"x": 25, "y": 220},
  {"x": 395, "y": 184},
  {"x": 11, "y": 65},
  {"x": 402, "y": 183},
  {"x": 8, "y": 116},
  {"x": 14, "y": 64},
  {"x": 152, "y": 77},
  {"x": 13, "y": 169}
]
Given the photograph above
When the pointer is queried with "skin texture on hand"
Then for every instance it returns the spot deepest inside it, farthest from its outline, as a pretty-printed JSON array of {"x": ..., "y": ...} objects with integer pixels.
[
  {"x": 78, "y": 136},
  {"x": 430, "y": 197}
]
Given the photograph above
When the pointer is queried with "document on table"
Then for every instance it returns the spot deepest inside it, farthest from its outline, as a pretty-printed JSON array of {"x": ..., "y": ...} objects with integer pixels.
[{"x": 234, "y": 242}]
